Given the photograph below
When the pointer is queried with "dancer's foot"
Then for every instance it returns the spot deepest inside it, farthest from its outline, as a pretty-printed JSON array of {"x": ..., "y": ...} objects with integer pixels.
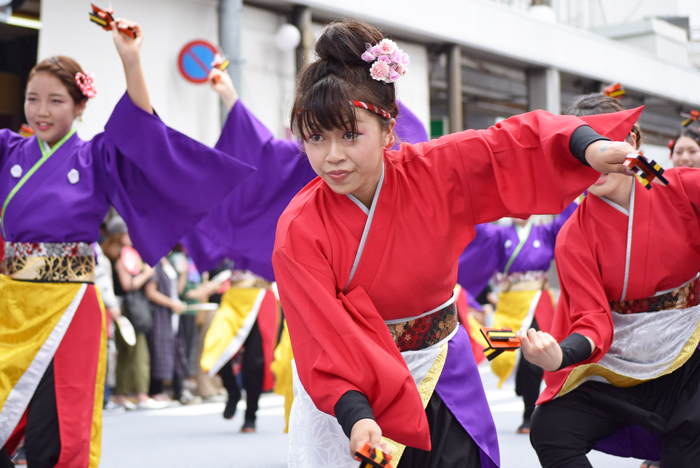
[
  {"x": 650, "y": 464},
  {"x": 230, "y": 409},
  {"x": 248, "y": 427},
  {"x": 524, "y": 427}
]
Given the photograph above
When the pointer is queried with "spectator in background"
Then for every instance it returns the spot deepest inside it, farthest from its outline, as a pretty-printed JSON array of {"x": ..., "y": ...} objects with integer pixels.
[
  {"x": 208, "y": 387},
  {"x": 133, "y": 362},
  {"x": 167, "y": 348},
  {"x": 105, "y": 285}
]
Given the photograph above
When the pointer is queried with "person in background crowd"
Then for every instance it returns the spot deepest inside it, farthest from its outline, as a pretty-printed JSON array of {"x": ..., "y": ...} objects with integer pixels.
[
  {"x": 188, "y": 280},
  {"x": 133, "y": 362},
  {"x": 685, "y": 147},
  {"x": 105, "y": 285},
  {"x": 166, "y": 345}
]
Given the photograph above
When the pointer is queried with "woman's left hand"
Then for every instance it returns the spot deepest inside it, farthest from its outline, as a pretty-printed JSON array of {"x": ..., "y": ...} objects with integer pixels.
[
  {"x": 127, "y": 47},
  {"x": 608, "y": 156}
]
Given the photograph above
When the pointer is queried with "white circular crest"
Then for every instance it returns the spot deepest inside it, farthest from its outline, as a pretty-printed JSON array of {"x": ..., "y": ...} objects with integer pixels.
[
  {"x": 73, "y": 176},
  {"x": 16, "y": 171}
]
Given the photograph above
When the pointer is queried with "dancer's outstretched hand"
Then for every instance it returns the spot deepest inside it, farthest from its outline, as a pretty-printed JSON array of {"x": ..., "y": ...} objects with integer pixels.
[
  {"x": 224, "y": 86},
  {"x": 608, "y": 156},
  {"x": 541, "y": 349},
  {"x": 127, "y": 47},
  {"x": 366, "y": 430}
]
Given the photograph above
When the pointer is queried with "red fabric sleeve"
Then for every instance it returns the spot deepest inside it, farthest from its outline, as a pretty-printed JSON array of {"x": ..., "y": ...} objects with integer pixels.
[
  {"x": 689, "y": 179},
  {"x": 583, "y": 305},
  {"x": 341, "y": 343},
  {"x": 520, "y": 166}
]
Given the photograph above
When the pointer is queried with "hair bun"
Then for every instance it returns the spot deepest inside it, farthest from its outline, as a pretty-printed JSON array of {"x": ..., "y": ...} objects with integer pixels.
[{"x": 346, "y": 41}]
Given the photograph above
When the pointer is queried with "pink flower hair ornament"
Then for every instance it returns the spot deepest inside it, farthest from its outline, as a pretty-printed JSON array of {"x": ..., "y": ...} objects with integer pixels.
[
  {"x": 86, "y": 84},
  {"x": 390, "y": 62}
]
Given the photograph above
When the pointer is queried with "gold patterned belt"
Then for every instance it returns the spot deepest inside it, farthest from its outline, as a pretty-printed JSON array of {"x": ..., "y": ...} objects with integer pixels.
[
  {"x": 425, "y": 330},
  {"x": 680, "y": 298},
  {"x": 522, "y": 281},
  {"x": 55, "y": 262}
]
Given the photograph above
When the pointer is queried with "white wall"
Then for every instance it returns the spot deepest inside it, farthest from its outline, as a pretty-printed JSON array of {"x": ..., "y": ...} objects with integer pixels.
[
  {"x": 414, "y": 88},
  {"x": 168, "y": 25},
  {"x": 268, "y": 75},
  {"x": 267, "y": 78}
]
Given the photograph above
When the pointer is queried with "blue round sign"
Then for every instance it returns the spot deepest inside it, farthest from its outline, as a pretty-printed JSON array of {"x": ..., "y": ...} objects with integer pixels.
[{"x": 195, "y": 60}]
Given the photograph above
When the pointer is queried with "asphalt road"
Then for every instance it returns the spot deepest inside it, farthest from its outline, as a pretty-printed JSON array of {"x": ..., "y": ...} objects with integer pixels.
[{"x": 197, "y": 436}]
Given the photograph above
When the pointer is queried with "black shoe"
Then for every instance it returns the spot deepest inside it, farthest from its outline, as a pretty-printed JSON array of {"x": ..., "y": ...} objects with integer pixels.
[
  {"x": 524, "y": 427},
  {"x": 249, "y": 427},
  {"x": 230, "y": 409}
]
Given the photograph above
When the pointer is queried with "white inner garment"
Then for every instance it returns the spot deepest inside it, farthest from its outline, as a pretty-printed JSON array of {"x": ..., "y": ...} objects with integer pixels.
[
  {"x": 646, "y": 344},
  {"x": 316, "y": 440}
]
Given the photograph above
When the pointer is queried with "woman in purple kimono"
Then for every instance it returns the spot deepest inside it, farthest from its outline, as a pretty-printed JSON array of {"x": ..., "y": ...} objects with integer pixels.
[
  {"x": 520, "y": 256},
  {"x": 55, "y": 191}
]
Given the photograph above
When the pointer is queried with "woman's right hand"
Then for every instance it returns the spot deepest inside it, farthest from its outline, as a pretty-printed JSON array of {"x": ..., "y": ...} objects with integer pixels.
[
  {"x": 224, "y": 86},
  {"x": 541, "y": 349},
  {"x": 366, "y": 430},
  {"x": 129, "y": 49}
]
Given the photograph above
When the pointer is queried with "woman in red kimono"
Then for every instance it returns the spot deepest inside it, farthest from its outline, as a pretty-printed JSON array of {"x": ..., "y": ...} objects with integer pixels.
[
  {"x": 685, "y": 148},
  {"x": 366, "y": 255},
  {"x": 622, "y": 370}
]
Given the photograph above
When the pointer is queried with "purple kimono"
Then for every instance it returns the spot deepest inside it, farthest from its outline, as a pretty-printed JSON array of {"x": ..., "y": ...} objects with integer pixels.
[
  {"x": 160, "y": 181},
  {"x": 494, "y": 245},
  {"x": 243, "y": 227}
]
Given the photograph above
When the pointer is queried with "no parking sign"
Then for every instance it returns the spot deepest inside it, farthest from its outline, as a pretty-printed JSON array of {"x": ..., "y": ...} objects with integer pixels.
[{"x": 195, "y": 60}]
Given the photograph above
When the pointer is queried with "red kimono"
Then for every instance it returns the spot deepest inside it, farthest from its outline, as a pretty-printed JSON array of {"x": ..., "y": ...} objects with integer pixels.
[
  {"x": 591, "y": 257},
  {"x": 431, "y": 197}
]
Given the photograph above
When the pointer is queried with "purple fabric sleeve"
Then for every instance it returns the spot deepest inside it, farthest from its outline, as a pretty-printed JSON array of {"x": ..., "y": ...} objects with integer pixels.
[
  {"x": 8, "y": 140},
  {"x": 552, "y": 230},
  {"x": 481, "y": 259},
  {"x": 161, "y": 182},
  {"x": 409, "y": 129},
  {"x": 471, "y": 301},
  {"x": 243, "y": 227}
]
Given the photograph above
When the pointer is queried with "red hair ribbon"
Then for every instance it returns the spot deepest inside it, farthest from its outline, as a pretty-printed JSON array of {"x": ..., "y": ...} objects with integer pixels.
[
  {"x": 363, "y": 105},
  {"x": 86, "y": 85},
  {"x": 671, "y": 144},
  {"x": 615, "y": 90}
]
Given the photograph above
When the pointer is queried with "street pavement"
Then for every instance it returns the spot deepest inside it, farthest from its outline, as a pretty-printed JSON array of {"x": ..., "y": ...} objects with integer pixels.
[{"x": 197, "y": 436}]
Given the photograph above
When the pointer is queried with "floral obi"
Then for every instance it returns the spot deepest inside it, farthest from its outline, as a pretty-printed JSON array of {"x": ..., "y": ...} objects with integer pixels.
[
  {"x": 425, "y": 330},
  {"x": 688, "y": 295},
  {"x": 54, "y": 262},
  {"x": 533, "y": 280}
]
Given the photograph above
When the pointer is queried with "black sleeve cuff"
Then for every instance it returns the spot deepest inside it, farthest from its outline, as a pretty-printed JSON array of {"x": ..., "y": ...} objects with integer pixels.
[
  {"x": 575, "y": 348},
  {"x": 352, "y": 407},
  {"x": 580, "y": 139}
]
